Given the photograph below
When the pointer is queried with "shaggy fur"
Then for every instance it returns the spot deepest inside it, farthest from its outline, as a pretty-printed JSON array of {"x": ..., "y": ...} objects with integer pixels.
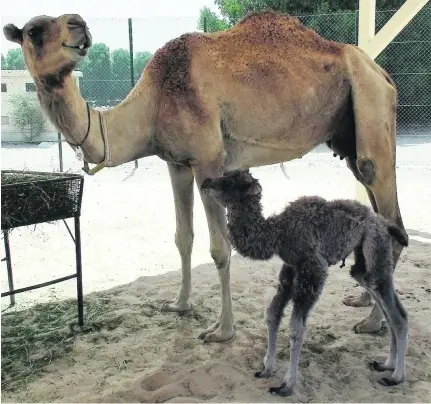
[{"x": 310, "y": 235}]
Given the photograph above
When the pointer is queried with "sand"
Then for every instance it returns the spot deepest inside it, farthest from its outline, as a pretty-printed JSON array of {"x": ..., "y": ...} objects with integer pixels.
[
  {"x": 153, "y": 356},
  {"x": 130, "y": 260}
]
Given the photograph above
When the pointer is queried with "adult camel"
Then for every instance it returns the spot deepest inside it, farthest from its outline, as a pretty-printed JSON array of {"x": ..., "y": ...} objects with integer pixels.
[{"x": 266, "y": 91}]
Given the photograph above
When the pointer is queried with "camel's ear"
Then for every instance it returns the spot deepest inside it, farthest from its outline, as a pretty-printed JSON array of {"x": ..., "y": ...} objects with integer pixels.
[
  {"x": 254, "y": 189},
  {"x": 12, "y": 33}
]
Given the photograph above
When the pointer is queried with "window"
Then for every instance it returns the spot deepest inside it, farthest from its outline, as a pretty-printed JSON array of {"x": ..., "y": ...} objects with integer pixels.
[
  {"x": 30, "y": 87},
  {"x": 5, "y": 120},
  {"x": 3, "y": 87}
]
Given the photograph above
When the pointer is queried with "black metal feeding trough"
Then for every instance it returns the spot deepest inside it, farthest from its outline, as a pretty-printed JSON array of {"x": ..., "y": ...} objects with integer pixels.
[{"x": 33, "y": 197}]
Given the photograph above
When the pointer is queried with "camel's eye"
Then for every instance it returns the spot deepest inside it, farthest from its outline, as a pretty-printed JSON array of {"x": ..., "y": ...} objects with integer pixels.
[
  {"x": 34, "y": 32},
  {"x": 36, "y": 36}
]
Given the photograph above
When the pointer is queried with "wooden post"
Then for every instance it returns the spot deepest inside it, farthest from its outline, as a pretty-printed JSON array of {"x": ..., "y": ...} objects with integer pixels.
[
  {"x": 373, "y": 44},
  {"x": 132, "y": 71},
  {"x": 366, "y": 32},
  {"x": 393, "y": 27}
]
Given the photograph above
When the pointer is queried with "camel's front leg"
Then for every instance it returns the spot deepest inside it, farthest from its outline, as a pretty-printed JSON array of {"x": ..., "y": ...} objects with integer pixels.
[
  {"x": 182, "y": 186},
  {"x": 220, "y": 250}
]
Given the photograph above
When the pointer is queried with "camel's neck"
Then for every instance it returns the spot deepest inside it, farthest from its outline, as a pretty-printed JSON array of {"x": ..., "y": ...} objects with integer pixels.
[
  {"x": 127, "y": 126},
  {"x": 250, "y": 233}
]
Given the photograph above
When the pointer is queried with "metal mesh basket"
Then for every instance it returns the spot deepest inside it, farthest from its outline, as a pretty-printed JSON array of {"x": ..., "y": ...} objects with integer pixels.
[{"x": 32, "y": 197}]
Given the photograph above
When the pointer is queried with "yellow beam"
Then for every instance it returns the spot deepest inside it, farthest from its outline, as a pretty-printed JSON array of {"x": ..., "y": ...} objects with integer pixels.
[
  {"x": 392, "y": 28},
  {"x": 367, "y": 22},
  {"x": 373, "y": 44},
  {"x": 367, "y": 30}
]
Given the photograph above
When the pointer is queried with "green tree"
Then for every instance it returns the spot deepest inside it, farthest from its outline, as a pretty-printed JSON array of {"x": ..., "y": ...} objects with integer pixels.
[
  {"x": 3, "y": 62},
  {"x": 96, "y": 83},
  {"x": 140, "y": 60},
  {"x": 121, "y": 84},
  {"x": 210, "y": 22},
  {"x": 26, "y": 115},
  {"x": 233, "y": 10},
  {"x": 14, "y": 59}
]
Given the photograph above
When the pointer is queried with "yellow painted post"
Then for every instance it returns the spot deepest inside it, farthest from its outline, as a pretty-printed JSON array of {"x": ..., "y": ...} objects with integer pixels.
[
  {"x": 373, "y": 44},
  {"x": 367, "y": 28},
  {"x": 393, "y": 27}
]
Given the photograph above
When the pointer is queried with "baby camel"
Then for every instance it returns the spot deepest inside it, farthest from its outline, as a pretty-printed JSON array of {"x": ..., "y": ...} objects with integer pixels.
[{"x": 310, "y": 235}]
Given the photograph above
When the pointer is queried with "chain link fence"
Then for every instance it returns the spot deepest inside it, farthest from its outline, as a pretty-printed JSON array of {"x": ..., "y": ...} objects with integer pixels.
[
  {"x": 407, "y": 59},
  {"x": 110, "y": 71}
]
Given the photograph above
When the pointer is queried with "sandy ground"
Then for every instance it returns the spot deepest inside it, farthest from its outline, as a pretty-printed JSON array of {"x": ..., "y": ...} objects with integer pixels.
[
  {"x": 153, "y": 356},
  {"x": 127, "y": 232}
]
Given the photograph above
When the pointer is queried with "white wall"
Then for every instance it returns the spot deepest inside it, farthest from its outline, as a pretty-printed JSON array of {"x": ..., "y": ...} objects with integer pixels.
[{"x": 15, "y": 81}]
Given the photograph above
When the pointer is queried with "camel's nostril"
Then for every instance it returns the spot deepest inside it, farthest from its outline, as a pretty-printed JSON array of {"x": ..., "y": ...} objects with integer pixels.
[
  {"x": 75, "y": 21},
  {"x": 74, "y": 24}
]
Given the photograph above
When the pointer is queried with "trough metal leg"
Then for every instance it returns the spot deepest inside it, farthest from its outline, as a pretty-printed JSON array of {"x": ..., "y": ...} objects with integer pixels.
[
  {"x": 79, "y": 271},
  {"x": 9, "y": 266}
]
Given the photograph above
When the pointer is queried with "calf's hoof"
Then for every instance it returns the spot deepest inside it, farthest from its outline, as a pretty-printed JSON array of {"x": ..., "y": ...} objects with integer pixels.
[
  {"x": 389, "y": 381},
  {"x": 379, "y": 366},
  {"x": 264, "y": 374},
  {"x": 282, "y": 391}
]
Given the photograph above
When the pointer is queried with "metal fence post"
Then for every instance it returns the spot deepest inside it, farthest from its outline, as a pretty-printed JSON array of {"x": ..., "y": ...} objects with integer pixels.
[
  {"x": 356, "y": 27},
  {"x": 60, "y": 151},
  {"x": 132, "y": 72}
]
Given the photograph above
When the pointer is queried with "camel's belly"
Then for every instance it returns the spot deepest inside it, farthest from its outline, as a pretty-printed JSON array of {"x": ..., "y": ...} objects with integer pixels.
[{"x": 241, "y": 155}]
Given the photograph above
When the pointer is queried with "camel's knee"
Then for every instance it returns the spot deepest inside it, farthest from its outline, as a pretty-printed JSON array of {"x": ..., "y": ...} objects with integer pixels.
[
  {"x": 220, "y": 256},
  {"x": 273, "y": 318},
  {"x": 367, "y": 170}
]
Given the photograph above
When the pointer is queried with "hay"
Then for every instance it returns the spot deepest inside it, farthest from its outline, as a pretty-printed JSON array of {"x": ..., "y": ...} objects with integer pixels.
[
  {"x": 31, "y": 339},
  {"x": 31, "y": 197}
]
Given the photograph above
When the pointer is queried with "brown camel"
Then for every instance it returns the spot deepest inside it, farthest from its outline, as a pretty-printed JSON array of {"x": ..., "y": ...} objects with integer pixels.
[{"x": 266, "y": 91}]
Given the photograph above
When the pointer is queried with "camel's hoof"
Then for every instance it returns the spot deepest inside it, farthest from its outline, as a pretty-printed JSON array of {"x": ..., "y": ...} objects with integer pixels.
[
  {"x": 219, "y": 335},
  {"x": 176, "y": 306},
  {"x": 367, "y": 326},
  {"x": 209, "y": 330},
  {"x": 379, "y": 366},
  {"x": 357, "y": 301},
  {"x": 263, "y": 374},
  {"x": 282, "y": 391},
  {"x": 388, "y": 381}
]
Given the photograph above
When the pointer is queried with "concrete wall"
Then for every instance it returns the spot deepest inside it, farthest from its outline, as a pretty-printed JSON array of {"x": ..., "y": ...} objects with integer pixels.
[{"x": 20, "y": 81}]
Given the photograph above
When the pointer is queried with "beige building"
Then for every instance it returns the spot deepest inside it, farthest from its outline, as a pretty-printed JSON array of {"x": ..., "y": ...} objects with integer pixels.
[{"x": 16, "y": 82}]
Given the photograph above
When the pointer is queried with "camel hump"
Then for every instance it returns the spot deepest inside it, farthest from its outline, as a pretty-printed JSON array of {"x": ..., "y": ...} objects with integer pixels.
[{"x": 266, "y": 27}]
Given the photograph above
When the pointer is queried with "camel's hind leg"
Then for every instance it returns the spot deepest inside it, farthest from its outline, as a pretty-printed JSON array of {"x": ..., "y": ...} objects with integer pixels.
[
  {"x": 373, "y": 270},
  {"x": 377, "y": 172},
  {"x": 182, "y": 186},
  {"x": 374, "y": 102},
  {"x": 381, "y": 181}
]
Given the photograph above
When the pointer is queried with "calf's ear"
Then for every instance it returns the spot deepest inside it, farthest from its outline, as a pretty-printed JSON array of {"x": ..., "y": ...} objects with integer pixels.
[{"x": 254, "y": 189}]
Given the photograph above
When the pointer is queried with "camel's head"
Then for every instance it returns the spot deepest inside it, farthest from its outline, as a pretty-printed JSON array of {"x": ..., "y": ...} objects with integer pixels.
[
  {"x": 232, "y": 188},
  {"x": 51, "y": 45}
]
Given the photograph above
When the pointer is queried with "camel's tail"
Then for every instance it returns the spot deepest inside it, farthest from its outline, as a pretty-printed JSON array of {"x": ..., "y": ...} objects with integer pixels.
[
  {"x": 284, "y": 171},
  {"x": 398, "y": 233}
]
